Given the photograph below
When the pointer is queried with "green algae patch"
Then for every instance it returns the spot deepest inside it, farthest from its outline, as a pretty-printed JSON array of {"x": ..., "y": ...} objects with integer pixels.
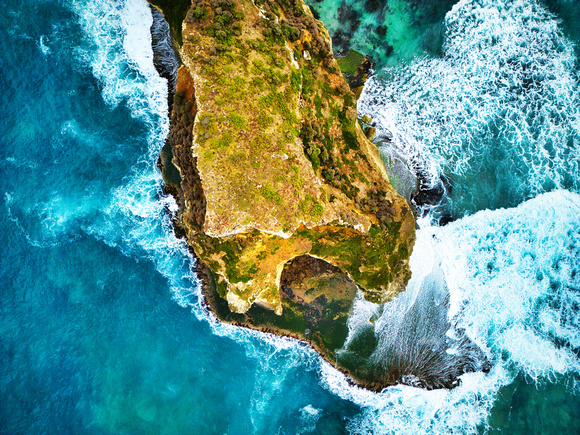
[
  {"x": 350, "y": 63},
  {"x": 355, "y": 68}
]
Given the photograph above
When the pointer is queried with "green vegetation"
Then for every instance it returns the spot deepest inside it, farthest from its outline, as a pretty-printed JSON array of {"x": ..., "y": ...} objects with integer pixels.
[
  {"x": 256, "y": 108},
  {"x": 271, "y": 195},
  {"x": 238, "y": 121},
  {"x": 272, "y": 132},
  {"x": 296, "y": 181},
  {"x": 349, "y": 64},
  {"x": 371, "y": 259},
  {"x": 296, "y": 80},
  {"x": 221, "y": 143},
  {"x": 317, "y": 210},
  {"x": 261, "y": 68}
]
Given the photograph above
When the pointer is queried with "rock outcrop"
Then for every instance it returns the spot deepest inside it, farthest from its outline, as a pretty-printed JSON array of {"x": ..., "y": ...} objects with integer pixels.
[{"x": 283, "y": 199}]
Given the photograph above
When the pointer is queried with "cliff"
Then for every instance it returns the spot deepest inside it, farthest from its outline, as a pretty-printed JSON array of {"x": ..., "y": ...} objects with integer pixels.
[{"x": 283, "y": 199}]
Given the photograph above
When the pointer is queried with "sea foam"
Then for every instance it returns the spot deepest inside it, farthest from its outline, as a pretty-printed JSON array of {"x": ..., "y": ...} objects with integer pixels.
[
  {"x": 514, "y": 289},
  {"x": 138, "y": 217},
  {"x": 137, "y": 220},
  {"x": 120, "y": 55},
  {"x": 514, "y": 281},
  {"x": 499, "y": 112}
]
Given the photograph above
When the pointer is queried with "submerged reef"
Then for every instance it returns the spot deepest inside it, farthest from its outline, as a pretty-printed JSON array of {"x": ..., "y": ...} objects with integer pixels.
[{"x": 283, "y": 199}]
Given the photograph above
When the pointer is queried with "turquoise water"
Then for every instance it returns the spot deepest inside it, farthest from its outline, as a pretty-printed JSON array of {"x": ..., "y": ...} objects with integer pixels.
[
  {"x": 391, "y": 32},
  {"x": 498, "y": 112},
  {"x": 101, "y": 329},
  {"x": 101, "y": 326}
]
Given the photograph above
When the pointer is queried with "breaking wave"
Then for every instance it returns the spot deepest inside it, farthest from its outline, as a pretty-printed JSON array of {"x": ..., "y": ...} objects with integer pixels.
[{"x": 499, "y": 113}]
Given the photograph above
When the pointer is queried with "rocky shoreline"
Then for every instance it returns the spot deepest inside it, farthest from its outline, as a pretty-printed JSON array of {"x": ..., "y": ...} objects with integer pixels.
[{"x": 312, "y": 297}]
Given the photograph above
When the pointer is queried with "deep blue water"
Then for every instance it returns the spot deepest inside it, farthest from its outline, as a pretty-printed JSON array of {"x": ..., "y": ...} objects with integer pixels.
[{"x": 101, "y": 325}]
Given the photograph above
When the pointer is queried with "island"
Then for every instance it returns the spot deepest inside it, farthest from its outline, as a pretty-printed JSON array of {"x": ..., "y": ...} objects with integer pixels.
[{"x": 284, "y": 201}]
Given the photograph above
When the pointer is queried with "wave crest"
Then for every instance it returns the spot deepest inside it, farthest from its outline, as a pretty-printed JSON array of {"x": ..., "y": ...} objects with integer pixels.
[{"x": 499, "y": 112}]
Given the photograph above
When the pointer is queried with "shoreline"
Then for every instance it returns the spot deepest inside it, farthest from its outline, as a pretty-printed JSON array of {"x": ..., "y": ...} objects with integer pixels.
[{"x": 212, "y": 301}]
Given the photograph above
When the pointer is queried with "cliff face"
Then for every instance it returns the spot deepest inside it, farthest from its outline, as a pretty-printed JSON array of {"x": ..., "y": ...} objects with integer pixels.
[{"x": 280, "y": 194}]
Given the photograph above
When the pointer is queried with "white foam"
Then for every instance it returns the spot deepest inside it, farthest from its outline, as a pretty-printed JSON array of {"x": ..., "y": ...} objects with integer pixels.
[
  {"x": 512, "y": 274},
  {"x": 360, "y": 317},
  {"x": 493, "y": 262},
  {"x": 47, "y": 223},
  {"x": 507, "y": 67},
  {"x": 513, "y": 280},
  {"x": 496, "y": 308},
  {"x": 309, "y": 416},
  {"x": 118, "y": 49},
  {"x": 45, "y": 49},
  {"x": 136, "y": 220},
  {"x": 407, "y": 410}
]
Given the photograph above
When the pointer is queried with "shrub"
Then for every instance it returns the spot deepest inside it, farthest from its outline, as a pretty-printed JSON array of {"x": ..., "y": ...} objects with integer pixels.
[
  {"x": 307, "y": 82},
  {"x": 328, "y": 174},
  {"x": 317, "y": 210},
  {"x": 318, "y": 105},
  {"x": 221, "y": 143},
  {"x": 295, "y": 80},
  {"x": 314, "y": 158},
  {"x": 296, "y": 181},
  {"x": 271, "y": 195},
  {"x": 199, "y": 13},
  {"x": 238, "y": 121},
  {"x": 264, "y": 121},
  {"x": 349, "y": 136}
]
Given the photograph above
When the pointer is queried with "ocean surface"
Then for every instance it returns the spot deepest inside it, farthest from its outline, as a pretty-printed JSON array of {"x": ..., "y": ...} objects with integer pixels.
[{"x": 102, "y": 327}]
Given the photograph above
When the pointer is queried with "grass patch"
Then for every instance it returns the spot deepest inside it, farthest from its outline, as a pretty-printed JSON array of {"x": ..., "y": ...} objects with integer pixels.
[
  {"x": 296, "y": 180},
  {"x": 221, "y": 143}
]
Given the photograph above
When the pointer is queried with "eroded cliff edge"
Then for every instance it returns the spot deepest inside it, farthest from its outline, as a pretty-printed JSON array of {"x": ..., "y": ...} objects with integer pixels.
[{"x": 283, "y": 199}]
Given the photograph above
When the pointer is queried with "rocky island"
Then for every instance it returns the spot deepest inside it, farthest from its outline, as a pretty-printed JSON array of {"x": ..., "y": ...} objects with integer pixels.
[{"x": 284, "y": 200}]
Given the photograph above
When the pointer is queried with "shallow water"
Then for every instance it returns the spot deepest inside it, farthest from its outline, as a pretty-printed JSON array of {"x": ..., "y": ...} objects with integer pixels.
[
  {"x": 101, "y": 326},
  {"x": 391, "y": 32}
]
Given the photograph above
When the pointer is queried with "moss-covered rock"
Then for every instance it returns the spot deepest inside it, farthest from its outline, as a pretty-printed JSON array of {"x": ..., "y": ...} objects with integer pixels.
[{"x": 355, "y": 68}]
